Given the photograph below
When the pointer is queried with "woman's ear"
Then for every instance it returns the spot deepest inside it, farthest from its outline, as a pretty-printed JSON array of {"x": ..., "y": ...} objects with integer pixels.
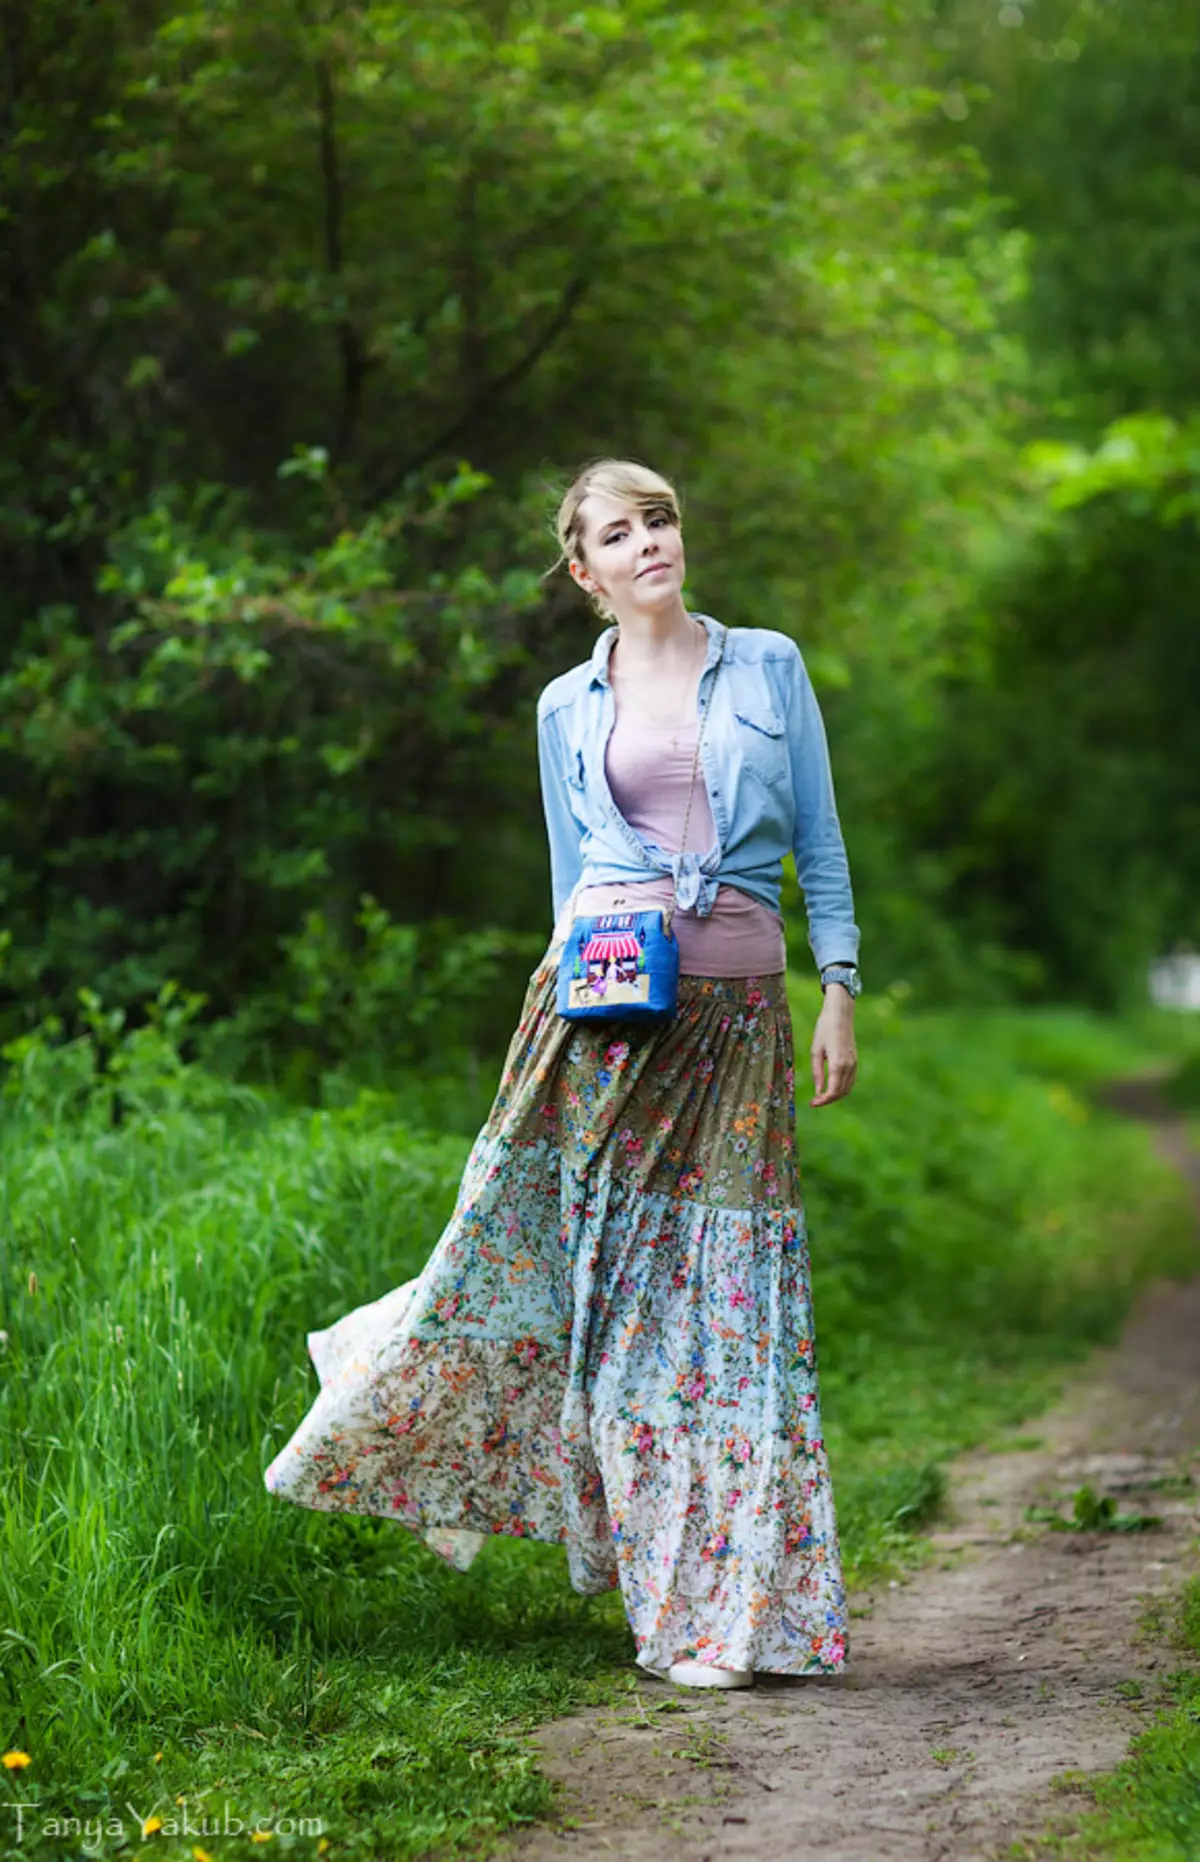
[{"x": 580, "y": 574}]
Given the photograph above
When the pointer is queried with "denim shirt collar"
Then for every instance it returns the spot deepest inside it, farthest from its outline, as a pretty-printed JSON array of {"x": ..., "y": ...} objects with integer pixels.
[{"x": 602, "y": 651}]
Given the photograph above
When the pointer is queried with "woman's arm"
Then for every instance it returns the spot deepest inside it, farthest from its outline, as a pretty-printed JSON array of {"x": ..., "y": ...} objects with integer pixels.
[
  {"x": 834, "y": 1054},
  {"x": 562, "y": 829},
  {"x": 824, "y": 875},
  {"x": 818, "y": 847}
]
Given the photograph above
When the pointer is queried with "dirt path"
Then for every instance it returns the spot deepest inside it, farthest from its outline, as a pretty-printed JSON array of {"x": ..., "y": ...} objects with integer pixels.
[{"x": 1011, "y": 1660}]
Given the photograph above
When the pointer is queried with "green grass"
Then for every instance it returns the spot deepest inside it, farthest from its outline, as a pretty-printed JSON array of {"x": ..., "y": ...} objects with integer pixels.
[
  {"x": 1148, "y": 1810},
  {"x": 977, "y": 1226},
  {"x": 1081, "y": 1049},
  {"x": 169, "y": 1630}
]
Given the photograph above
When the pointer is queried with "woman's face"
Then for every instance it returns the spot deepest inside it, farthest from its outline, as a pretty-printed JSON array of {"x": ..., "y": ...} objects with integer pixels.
[{"x": 632, "y": 556}]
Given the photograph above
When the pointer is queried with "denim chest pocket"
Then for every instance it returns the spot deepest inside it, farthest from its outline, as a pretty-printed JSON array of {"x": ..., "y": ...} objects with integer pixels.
[
  {"x": 762, "y": 743},
  {"x": 576, "y": 774}
]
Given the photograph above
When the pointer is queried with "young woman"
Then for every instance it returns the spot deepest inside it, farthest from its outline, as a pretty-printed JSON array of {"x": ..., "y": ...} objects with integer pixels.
[{"x": 612, "y": 1344}]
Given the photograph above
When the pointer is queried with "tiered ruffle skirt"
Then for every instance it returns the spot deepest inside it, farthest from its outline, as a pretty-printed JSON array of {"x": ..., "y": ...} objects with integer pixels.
[{"x": 612, "y": 1344}]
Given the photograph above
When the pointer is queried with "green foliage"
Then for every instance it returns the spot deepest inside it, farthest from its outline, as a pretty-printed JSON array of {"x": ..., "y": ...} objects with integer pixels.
[
  {"x": 331, "y": 299},
  {"x": 1092, "y": 1512},
  {"x": 1150, "y": 461},
  {"x": 1084, "y": 111},
  {"x": 1182, "y": 1088},
  {"x": 365, "y": 1013},
  {"x": 157, "y": 1278},
  {"x": 261, "y": 728},
  {"x": 1063, "y": 789},
  {"x": 267, "y": 643}
]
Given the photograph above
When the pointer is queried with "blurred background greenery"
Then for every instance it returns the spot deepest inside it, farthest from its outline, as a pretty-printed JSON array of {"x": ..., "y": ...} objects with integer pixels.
[{"x": 304, "y": 311}]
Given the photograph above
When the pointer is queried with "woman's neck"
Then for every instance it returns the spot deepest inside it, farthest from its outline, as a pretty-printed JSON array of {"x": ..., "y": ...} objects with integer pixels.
[{"x": 662, "y": 640}]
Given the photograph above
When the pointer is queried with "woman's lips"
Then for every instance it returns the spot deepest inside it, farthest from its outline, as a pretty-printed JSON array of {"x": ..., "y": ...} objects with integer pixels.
[{"x": 656, "y": 568}]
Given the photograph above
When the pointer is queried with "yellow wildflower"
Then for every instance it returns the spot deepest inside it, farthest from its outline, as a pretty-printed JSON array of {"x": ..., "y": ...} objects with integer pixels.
[
  {"x": 150, "y": 1825},
  {"x": 14, "y": 1759}
]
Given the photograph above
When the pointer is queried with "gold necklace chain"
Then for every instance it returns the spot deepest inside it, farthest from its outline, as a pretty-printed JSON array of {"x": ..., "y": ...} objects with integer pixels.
[{"x": 687, "y": 819}]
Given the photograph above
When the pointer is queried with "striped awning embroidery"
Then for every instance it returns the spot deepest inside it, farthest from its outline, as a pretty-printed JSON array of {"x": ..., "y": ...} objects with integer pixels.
[{"x": 603, "y": 946}]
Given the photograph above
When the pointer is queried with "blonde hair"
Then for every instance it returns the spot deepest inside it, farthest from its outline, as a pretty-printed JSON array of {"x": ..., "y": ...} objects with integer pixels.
[{"x": 626, "y": 480}]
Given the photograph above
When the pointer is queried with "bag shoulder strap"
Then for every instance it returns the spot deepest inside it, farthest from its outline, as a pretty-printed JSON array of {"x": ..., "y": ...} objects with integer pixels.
[{"x": 669, "y": 915}]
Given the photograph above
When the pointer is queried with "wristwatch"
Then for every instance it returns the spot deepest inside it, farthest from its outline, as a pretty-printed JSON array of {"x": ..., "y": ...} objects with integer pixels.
[{"x": 844, "y": 973}]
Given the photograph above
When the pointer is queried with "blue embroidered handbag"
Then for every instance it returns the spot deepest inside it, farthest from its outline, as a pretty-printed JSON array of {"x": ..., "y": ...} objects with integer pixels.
[
  {"x": 619, "y": 965},
  {"x": 624, "y": 965}
]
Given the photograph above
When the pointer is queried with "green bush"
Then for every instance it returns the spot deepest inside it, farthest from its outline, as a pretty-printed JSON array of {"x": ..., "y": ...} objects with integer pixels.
[{"x": 1183, "y": 1085}]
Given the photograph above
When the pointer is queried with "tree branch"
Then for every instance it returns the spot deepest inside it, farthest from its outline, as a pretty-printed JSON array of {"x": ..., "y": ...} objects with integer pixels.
[
  {"x": 491, "y": 391},
  {"x": 354, "y": 363}
]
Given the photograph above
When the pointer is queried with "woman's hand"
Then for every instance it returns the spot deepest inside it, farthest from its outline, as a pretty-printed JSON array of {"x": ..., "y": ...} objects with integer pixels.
[{"x": 834, "y": 1056}]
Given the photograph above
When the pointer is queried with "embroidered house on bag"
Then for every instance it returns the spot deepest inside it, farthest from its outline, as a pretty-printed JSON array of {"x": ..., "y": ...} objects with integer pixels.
[{"x": 610, "y": 965}]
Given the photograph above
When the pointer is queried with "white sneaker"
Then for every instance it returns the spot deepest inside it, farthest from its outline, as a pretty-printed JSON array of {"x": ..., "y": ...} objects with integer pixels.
[{"x": 703, "y": 1674}]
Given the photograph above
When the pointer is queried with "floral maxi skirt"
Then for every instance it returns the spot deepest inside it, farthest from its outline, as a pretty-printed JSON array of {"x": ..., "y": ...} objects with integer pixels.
[{"x": 611, "y": 1346}]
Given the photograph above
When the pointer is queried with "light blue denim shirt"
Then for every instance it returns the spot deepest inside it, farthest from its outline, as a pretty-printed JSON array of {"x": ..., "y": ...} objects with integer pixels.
[{"x": 765, "y": 763}]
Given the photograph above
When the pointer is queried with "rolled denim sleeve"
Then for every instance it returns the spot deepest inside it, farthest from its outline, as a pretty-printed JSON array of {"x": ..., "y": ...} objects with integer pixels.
[
  {"x": 562, "y": 829},
  {"x": 820, "y": 852}
]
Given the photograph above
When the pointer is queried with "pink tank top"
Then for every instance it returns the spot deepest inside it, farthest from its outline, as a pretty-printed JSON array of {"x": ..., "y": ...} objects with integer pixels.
[{"x": 649, "y": 769}]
